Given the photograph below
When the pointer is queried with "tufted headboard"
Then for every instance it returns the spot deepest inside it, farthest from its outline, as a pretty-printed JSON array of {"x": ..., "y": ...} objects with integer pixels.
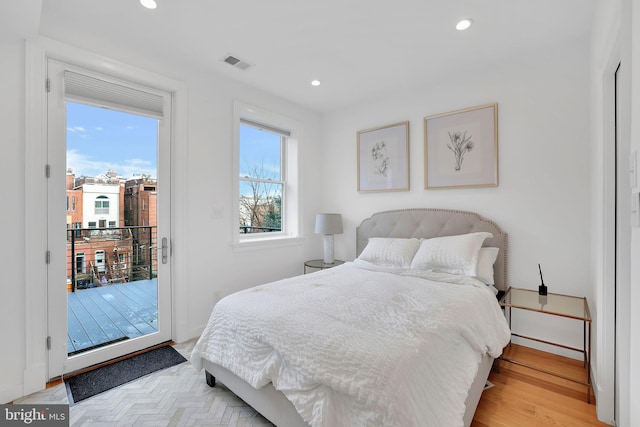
[{"x": 427, "y": 223}]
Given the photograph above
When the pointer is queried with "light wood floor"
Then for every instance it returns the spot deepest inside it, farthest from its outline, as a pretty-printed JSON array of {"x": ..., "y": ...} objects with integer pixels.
[{"x": 524, "y": 397}]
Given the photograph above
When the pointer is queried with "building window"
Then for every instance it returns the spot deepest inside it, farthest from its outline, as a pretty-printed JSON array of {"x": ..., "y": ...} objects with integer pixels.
[
  {"x": 112, "y": 224},
  {"x": 144, "y": 205},
  {"x": 80, "y": 263},
  {"x": 267, "y": 175},
  {"x": 73, "y": 203},
  {"x": 92, "y": 224},
  {"x": 102, "y": 205}
]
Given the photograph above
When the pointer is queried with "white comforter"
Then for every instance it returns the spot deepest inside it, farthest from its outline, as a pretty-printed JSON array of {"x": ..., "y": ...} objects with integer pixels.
[{"x": 351, "y": 346}]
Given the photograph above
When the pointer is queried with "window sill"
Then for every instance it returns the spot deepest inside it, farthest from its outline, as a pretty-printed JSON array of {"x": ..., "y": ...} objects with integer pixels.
[{"x": 267, "y": 243}]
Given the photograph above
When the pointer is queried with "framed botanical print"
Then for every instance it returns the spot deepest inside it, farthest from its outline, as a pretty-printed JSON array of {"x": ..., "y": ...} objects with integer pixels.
[
  {"x": 383, "y": 158},
  {"x": 461, "y": 148}
]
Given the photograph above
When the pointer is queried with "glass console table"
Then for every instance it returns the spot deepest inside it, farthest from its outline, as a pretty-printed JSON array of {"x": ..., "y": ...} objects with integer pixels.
[
  {"x": 318, "y": 264},
  {"x": 556, "y": 305}
]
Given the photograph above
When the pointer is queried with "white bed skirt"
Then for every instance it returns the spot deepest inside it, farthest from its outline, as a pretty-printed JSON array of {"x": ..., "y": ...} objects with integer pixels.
[{"x": 275, "y": 407}]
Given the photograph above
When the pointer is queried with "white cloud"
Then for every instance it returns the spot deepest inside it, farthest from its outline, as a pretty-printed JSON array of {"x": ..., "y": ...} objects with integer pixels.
[
  {"x": 75, "y": 129},
  {"x": 83, "y": 165}
]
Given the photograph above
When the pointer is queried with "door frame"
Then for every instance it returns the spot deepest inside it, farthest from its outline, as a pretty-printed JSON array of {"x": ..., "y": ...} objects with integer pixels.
[
  {"x": 37, "y": 52},
  {"x": 59, "y": 361}
]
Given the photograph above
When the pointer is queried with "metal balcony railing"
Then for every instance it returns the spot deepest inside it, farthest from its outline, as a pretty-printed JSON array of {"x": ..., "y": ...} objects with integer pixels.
[
  {"x": 103, "y": 256},
  {"x": 246, "y": 229}
]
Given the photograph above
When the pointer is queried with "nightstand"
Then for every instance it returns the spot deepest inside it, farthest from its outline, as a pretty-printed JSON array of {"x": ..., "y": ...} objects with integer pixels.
[
  {"x": 566, "y": 306},
  {"x": 318, "y": 264}
]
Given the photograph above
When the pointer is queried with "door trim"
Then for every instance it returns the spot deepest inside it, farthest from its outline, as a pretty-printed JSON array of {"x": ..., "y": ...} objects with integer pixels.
[
  {"x": 37, "y": 52},
  {"x": 605, "y": 386},
  {"x": 59, "y": 361}
]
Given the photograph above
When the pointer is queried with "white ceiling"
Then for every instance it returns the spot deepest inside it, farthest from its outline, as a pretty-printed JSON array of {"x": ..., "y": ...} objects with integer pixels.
[{"x": 358, "y": 49}]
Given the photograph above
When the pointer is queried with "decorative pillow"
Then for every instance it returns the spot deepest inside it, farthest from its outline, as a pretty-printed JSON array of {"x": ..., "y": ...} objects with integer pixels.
[
  {"x": 390, "y": 252},
  {"x": 486, "y": 258},
  {"x": 451, "y": 254}
]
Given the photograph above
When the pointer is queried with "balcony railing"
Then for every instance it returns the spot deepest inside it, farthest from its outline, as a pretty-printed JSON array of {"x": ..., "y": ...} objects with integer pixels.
[
  {"x": 103, "y": 256},
  {"x": 246, "y": 229}
]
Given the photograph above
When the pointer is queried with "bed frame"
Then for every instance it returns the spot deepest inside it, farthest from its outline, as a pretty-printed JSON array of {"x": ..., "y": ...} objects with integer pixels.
[{"x": 419, "y": 223}]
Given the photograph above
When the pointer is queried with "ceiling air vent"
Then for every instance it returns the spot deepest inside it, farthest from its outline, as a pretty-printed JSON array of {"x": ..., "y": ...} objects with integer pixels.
[{"x": 236, "y": 62}]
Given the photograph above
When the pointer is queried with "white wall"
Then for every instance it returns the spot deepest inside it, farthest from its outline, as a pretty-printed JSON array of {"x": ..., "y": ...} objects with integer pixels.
[
  {"x": 543, "y": 197},
  {"x": 214, "y": 268},
  {"x": 12, "y": 218}
]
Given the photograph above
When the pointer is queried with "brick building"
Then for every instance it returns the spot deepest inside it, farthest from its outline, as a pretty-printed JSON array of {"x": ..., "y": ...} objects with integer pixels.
[{"x": 110, "y": 229}]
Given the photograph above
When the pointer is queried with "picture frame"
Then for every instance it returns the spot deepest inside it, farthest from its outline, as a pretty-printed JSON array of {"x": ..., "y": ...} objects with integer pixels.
[
  {"x": 461, "y": 148},
  {"x": 383, "y": 158}
]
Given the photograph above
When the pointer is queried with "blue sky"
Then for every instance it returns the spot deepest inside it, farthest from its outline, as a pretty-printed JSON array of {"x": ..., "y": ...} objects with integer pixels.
[
  {"x": 259, "y": 151},
  {"x": 99, "y": 140}
]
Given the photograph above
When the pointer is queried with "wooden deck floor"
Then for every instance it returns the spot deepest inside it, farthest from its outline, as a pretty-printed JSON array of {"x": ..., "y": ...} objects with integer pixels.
[{"x": 105, "y": 314}]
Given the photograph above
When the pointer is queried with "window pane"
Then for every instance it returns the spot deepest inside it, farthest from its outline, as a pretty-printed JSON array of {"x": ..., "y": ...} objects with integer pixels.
[
  {"x": 260, "y": 153},
  {"x": 260, "y": 207}
]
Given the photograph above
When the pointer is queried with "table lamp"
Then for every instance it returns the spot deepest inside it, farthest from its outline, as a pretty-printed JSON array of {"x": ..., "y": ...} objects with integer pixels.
[{"x": 328, "y": 224}]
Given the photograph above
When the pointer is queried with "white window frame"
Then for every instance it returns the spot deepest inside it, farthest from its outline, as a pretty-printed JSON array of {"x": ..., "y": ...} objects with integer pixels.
[
  {"x": 102, "y": 210},
  {"x": 291, "y": 204}
]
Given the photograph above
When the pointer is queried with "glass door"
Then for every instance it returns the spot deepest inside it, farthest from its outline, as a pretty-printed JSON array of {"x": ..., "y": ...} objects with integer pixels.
[{"x": 108, "y": 144}]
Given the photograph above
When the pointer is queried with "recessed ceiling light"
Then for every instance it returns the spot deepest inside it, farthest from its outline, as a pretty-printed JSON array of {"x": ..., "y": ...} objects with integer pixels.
[
  {"x": 149, "y": 4},
  {"x": 463, "y": 24},
  {"x": 315, "y": 82}
]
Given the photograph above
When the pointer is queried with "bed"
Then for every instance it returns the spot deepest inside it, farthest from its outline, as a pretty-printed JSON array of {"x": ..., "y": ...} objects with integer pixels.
[{"x": 405, "y": 334}]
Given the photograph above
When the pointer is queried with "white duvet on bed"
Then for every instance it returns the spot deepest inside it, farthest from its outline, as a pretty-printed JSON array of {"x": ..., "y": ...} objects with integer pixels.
[{"x": 353, "y": 346}]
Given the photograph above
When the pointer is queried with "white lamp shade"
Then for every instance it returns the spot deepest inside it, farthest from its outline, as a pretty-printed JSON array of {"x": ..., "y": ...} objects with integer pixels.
[{"x": 328, "y": 223}]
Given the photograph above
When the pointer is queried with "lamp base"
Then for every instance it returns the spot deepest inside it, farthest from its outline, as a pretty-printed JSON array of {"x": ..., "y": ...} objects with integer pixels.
[{"x": 328, "y": 249}]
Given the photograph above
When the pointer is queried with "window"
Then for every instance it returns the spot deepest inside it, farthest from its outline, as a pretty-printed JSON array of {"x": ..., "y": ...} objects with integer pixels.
[
  {"x": 261, "y": 178},
  {"x": 92, "y": 224},
  {"x": 102, "y": 205},
  {"x": 112, "y": 224},
  {"x": 80, "y": 262},
  {"x": 266, "y": 148},
  {"x": 73, "y": 203}
]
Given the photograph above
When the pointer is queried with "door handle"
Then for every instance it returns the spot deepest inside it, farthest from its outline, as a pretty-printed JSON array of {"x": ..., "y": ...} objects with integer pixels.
[{"x": 165, "y": 250}]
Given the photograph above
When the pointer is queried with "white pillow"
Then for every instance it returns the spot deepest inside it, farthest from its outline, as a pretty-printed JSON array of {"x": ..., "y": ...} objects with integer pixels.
[
  {"x": 390, "y": 252},
  {"x": 451, "y": 254},
  {"x": 486, "y": 258}
]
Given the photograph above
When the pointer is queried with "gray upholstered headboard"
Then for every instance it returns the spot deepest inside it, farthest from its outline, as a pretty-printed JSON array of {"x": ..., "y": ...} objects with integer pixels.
[{"x": 427, "y": 223}]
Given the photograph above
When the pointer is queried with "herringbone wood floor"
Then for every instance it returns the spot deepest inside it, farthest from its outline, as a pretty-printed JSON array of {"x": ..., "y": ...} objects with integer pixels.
[{"x": 179, "y": 396}]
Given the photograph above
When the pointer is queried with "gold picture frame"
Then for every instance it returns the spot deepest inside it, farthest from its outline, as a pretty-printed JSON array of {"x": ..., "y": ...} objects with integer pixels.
[
  {"x": 461, "y": 148},
  {"x": 383, "y": 158}
]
